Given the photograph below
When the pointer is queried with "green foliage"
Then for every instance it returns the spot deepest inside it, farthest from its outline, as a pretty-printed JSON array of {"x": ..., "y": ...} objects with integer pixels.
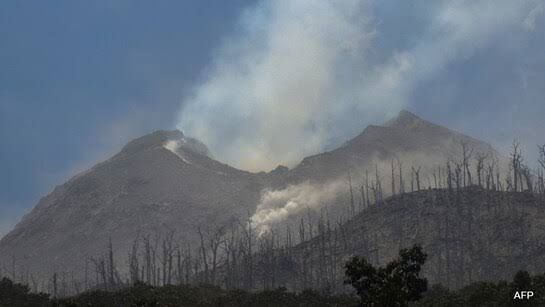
[
  {"x": 13, "y": 294},
  {"x": 142, "y": 295},
  {"x": 438, "y": 295},
  {"x": 489, "y": 293},
  {"x": 396, "y": 284}
]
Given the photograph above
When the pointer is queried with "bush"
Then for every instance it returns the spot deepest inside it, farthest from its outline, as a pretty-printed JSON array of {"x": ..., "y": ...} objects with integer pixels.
[
  {"x": 13, "y": 294},
  {"x": 395, "y": 284}
]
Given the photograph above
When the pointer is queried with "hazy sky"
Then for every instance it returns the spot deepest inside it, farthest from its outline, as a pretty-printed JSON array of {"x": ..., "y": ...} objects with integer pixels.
[{"x": 78, "y": 79}]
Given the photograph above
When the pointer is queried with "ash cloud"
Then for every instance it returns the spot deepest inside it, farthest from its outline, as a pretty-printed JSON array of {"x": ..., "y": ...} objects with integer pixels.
[{"x": 296, "y": 76}]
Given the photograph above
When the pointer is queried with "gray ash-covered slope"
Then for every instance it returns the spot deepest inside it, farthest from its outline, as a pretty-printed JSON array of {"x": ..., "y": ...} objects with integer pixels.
[
  {"x": 407, "y": 138},
  {"x": 166, "y": 181},
  {"x": 159, "y": 182},
  {"x": 470, "y": 234}
]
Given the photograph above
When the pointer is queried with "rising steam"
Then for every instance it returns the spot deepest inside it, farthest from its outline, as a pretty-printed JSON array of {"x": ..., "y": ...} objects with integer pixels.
[
  {"x": 276, "y": 90},
  {"x": 296, "y": 76},
  {"x": 277, "y": 205}
]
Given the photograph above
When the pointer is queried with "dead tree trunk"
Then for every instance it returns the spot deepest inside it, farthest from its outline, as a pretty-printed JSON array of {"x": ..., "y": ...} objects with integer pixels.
[
  {"x": 515, "y": 163},
  {"x": 393, "y": 178},
  {"x": 204, "y": 256}
]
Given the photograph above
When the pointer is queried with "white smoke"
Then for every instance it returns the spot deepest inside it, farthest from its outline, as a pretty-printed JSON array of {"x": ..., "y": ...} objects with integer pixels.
[
  {"x": 276, "y": 206},
  {"x": 296, "y": 77},
  {"x": 172, "y": 145},
  {"x": 529, "y": 22},
  {"x": 275, "y": 90}
]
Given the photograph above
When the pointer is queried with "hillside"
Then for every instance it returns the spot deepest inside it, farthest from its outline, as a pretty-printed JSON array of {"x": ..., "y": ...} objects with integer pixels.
[{"x": 470, "y": 234}]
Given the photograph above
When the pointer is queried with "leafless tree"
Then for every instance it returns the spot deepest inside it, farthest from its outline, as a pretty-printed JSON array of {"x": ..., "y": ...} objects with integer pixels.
[
  {"x": 466, "y": 157},
  {"x": 541, "y": 170},
  {"x": 378, "y": 187},
  {"x": 393, "y": 178},
  {"x": 168, "y": 250},
  {"x": 352, "y": 204},
  {"x": 480, "y": 158},
  {"x": 516, "y": 160},
  {"x": 401, "y": 182},
  {"x": 134, "y": 266},
  {"x": 367, "y": 187},
  {"x": 204, "y": 255},
  {"x": 416, "y": 174}
]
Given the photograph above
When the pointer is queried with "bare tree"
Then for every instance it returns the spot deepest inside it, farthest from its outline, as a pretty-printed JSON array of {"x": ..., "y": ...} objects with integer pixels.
[
  {"x": 216, "y": 240},
  {"x": 458, "y": 169},
  {"x": 541, "y": 159},
  {"x": 526, "y": 173},
  {"x": 516, "y": 160},
  {"x": 367, "y": 188},
  {"x": 247, "y": 243},
  {"x": 378, "y": 183},
  {"x": 416, "y": 177},
  {"x": 168, "y": 250},
  {"x": 480, "y": 158},
  {"x": 541, "y": 170},
  {"x": 204, "y": 255},
  {"x": 490, "y": 185},
  {"x": 393, "y": 178},
  {"x": 401, "y": 182},
  {"x": 100, "y": 270},
  {"x": 54, "y": 285},
  {"x": 134, "y": 267},
  {"x": 466, "y": 156},
  {"x": 352, "y": 205},
  {"x": 449, "y": 176},
  {"x": 111, "y": 264}
]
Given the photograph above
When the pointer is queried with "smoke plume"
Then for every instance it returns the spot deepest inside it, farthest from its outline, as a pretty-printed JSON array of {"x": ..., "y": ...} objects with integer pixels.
[
  {"x": 298, "y": 76},
  {"x": 276, "y": 206},
  {"x": 276, "y": 89}
]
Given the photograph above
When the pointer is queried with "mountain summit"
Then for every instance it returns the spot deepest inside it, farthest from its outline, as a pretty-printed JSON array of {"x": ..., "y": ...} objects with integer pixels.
[
  {"x": 406, "y": 120},
  {"x": 406, "y": 138},
  {"x": 162, "y": 138}
]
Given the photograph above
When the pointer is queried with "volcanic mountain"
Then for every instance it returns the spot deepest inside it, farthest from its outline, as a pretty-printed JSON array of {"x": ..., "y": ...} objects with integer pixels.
[
  {"x": 166, "y": 181},
  {"x": 156, "y": 183}
]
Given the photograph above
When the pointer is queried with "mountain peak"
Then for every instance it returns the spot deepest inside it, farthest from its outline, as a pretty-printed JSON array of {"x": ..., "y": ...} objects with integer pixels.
[
  {"x": 175, "y": 139},
  {"x": 154, "y": 139},
  {"x": 407, "y": 121},
  {"x": 403, "y": 118}
]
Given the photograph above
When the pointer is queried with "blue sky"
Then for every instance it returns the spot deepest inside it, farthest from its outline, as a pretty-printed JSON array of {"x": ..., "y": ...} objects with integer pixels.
[{"x": 78, "y": 79}]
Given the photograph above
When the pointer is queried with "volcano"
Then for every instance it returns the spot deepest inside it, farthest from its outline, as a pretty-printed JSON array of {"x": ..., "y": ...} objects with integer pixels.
[{"x": 166, "y": 181}]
